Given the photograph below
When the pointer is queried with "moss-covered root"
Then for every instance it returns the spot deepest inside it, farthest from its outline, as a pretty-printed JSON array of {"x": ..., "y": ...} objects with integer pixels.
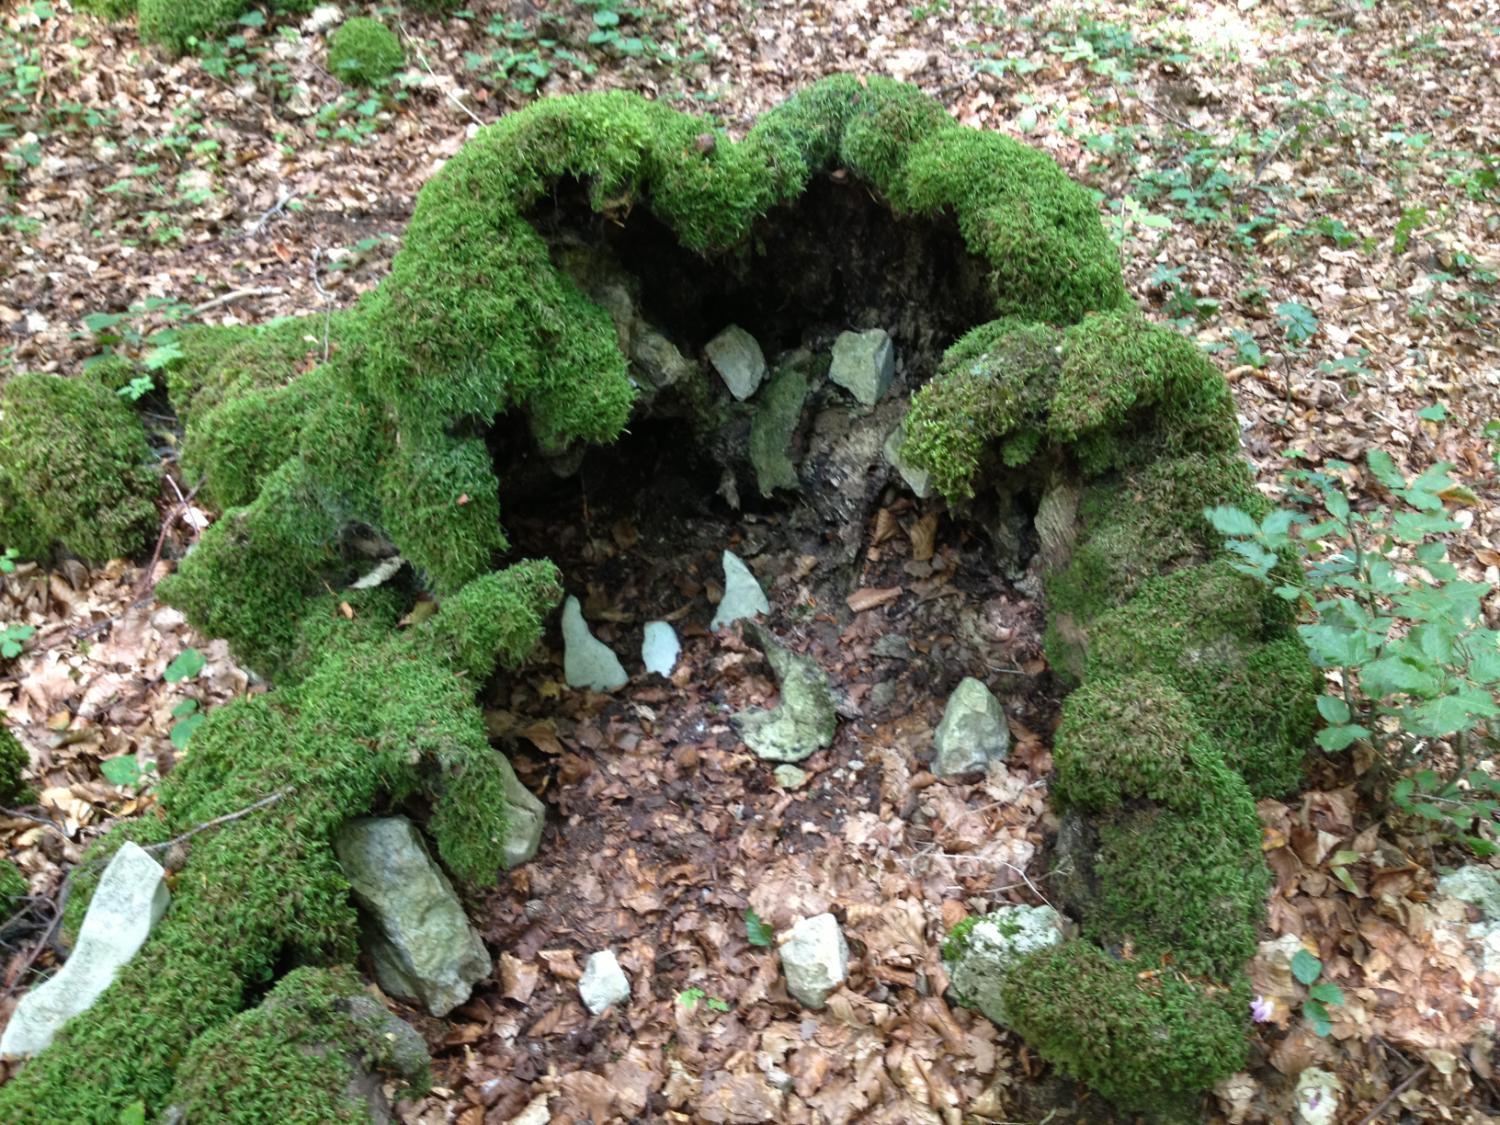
[
  {"x": 1146, "y": 1041},
  {"x": 1223, "y": 641},
  {"x": 308, "y": 1054},
  {"x": 1111, "y": 391},
  {"x": 75, "y": 470},
  {"x": 369, "y": 725}
]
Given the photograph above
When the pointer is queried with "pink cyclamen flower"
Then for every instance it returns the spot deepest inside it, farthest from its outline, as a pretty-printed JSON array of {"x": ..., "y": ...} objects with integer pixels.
[{"x": 1261, "y": 1010}]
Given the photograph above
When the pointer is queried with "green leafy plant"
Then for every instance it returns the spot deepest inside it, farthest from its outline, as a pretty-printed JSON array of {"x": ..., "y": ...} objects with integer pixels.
[
  {"x": 1320, "y": 994},
  {"x": 127, "y": 772},
  {"x": 1384, "y": 609},
  {"x": 756, "y": 931},
  {"x": 689, "y": 998},
  {"x": 185, "y": 665},
  {"x": 12, "y": 638},
  {"x": 8, "y": 560}
]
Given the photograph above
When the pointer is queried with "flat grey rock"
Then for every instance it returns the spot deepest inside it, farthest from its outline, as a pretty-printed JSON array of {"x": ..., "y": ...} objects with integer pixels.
[
  {"x": 743, "y": 596},
  {"x": 918, "y": 480},
  {"x": 587, "y": 661},
  {"x": 130, "y": 898},
  {"x": 603, "y": 982},
  {"x": 525, "y": 817},
  {"x": 863, "y": 364},
  {"x": 973, "y": 732},
  {"x": 815, "y": 959},
  {"x": 789, "y": 776},
  {"x": 805, "y": 720},
  {"x": 994, "y": 944},
  {"x": 660, "y": 648},
  {"x": 1476, "y": 885},
  {"x": 658, "y": 359},
  {"x": 738, "y": 359},
  {"x": 413, "y": 927}
]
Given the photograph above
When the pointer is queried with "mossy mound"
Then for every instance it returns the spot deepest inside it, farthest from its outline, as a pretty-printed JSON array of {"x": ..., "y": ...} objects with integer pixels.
[
  {"x": 307, "y": 1053},
  {"x": 13, "y": 888},
  {"x": 364, "y": 52},
  {"x": 1146, "y": 1041},
  {"x": 75, "y": 470},
  {"x": 367, "y": 724}
]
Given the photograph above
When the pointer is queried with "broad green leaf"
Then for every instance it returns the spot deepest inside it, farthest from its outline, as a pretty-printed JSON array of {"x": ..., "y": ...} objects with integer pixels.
[
  {"x": 1227, "y": 520},
  {"x": 1437, "y": 412},
  {"x": 756, "y": 931},
  {"x": 123, "y": 771},
  {"x": 1305, "y": 967},
  {"x": 1326, "y": 992},
  {"x": 183, "y": 729},
  {"x": 1392, "y": 676},
  {"x": 1317, "y": 1017},
  {"x": 1341, "y": 737},
  {"x": 1333, "y": 709},
  {"x": 1384, "y": 467},
  {"x": 187, "y": 664},
  {"x": 184, "y": 709}
]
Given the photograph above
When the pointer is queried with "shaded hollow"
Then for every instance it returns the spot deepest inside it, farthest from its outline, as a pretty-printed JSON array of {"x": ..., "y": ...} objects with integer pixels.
[{"x": 836, "y": 258}]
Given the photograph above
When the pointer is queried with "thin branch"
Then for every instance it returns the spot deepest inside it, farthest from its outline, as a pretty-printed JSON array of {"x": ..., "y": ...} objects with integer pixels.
[
  {"x": 1406, "y": 1084},
  {"x": 447, "y": 93},
  {"x": 219, "y": 820},
  {"x": 233, "y": 295},
  {"x": 183, "y": 503},
  {"x": 315, "y": 267},
  {"x": 281, "y": 202}
]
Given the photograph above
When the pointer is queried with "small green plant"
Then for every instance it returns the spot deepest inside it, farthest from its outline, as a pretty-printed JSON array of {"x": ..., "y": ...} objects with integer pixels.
[
  {"x": 8, "y": 560},
  {"x": 1389, "y": 615},
  {"x": 13, "y": 638},
  {"x": 689, "y": 998},
  {"x": 1320, "y": 994},
  {"x": 185, "y": 665},
  {"x": 756, "y": 931},
  {"x": 127, "y": 772}
]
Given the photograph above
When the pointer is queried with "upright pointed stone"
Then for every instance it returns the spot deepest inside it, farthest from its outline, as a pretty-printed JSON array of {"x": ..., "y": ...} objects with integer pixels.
[
  {"x": 743, "y": 596},
  {"x": 864, "y": 364},
  {"x": 587, "y": 661},
  {"x": 131, "y": 896},
  {"x": 737, "y": 358},
  {"x": 973, "y": 732},
  {"x": 660, "y": 648}
]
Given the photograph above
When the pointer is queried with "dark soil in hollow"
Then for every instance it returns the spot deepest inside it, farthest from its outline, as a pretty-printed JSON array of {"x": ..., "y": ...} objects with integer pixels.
[{"x": 663, "y": 827}]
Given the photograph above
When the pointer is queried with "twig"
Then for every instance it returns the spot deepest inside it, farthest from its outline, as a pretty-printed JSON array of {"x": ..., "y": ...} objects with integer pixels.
[
  {"x": 218, "y": 820},
  {"x": 260, "y": 223},
  {"x": 316, "y": 266},
  {"x": 1406, "y": 1084},
  {"x": 146, "y": 585},
  {"x": 447, "y": 93},
  {"x": 234, "y": 295},
  {"x": 36, "y": 951}
]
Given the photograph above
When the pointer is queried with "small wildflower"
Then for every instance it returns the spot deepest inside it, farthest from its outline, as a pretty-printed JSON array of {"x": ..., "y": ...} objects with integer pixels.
[{"x": 1261, "y": 1010}]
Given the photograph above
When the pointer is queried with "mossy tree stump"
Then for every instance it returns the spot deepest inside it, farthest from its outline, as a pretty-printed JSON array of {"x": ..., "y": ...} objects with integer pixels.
[{"x": 1194, "y": 698}]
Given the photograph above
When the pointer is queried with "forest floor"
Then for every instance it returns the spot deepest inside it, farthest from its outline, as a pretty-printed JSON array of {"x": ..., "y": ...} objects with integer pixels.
[{"x": 1311, "y": 190}]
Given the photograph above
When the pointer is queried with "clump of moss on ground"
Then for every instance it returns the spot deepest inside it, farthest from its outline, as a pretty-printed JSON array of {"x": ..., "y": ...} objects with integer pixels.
[
  {"x": 299, "y": 1056},
  {"x": 75, "y": 470},
  {"x": 1146, "y": 1041},
  {"x": 368, "y": 725},
  {"x": 13, "y": 888},
  {"x": 13, "y": 762},
  {"x": 364, "y": 52}
]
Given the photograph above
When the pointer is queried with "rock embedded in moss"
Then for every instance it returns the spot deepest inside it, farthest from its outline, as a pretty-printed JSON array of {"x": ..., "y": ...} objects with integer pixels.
[
  {"x": 131, "y": 897},
  {"x": 364, "y": 52},
  {"x": 979, "y": 957},
  {"x": 412, "y": 924}
]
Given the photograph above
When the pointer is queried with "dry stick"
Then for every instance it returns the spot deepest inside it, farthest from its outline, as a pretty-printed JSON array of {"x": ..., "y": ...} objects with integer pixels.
[
  {"x": 1406, "y": 1084},
  {"x": 234, "y": 295},
  {"x": 314, "y": 268},
  {"x": 260, "y": 223},
  {"x": 218, "y": 820},
  {"x": 36, "y": 951},
  {"x": 146, "y": 585},
  {"x": 447, "y": 93}
]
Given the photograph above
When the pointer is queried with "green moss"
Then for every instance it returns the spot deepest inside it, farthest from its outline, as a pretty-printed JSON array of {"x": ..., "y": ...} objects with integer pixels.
[
  {"x": 77, "y": 468},
  {"x": 958, "y": 938},
  {"x": 106, "y": 9},
  {"x": 370, "y": 725},
  {"x": 220, "y": 363},
  {"x": 364, "y": 52},
  {"x": 13, "y": 888},
  {"x": 1134, "y": 526},
  {"x": 1148, "y": 1043},
  {"x": 14, "y": 761},
  {"x": 296, "y": 1057},
  {"x": 1221, "y": 639},
  {"x": 178, "y": 24}
]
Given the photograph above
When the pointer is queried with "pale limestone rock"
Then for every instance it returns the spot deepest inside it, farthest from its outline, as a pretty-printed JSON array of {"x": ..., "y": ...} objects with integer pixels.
[
  {"x": 603, "y": 982},
  {"x": 815, "y": 959},
  {"x": 587, "y": 661},
  {"x": 660, "y": 648},
  {"x": 973, "y": 732},
  {"x": 743, "y": 596}
]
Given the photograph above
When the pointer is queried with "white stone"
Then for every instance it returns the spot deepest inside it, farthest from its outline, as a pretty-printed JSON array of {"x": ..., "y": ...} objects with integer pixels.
[
  {"x": 660, "y": 648},
  {"x": 1477, "y": 885},
  {"x": 815, "y": 959},
  {"x": 863, "y": 364},
  {"x": 991, "y": 946},
  {"x": 603, "y": 982},
  {"x": 738, "y": 359},
  {"x": 1317, "y": 1097},
  {"x": 587, "y": 661},
  {"x": 743, "y": 596},
  {"x": 322, "y": 18},
  {"x": 131, "y": 896},
  {"x": 973, "y": 732}
]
